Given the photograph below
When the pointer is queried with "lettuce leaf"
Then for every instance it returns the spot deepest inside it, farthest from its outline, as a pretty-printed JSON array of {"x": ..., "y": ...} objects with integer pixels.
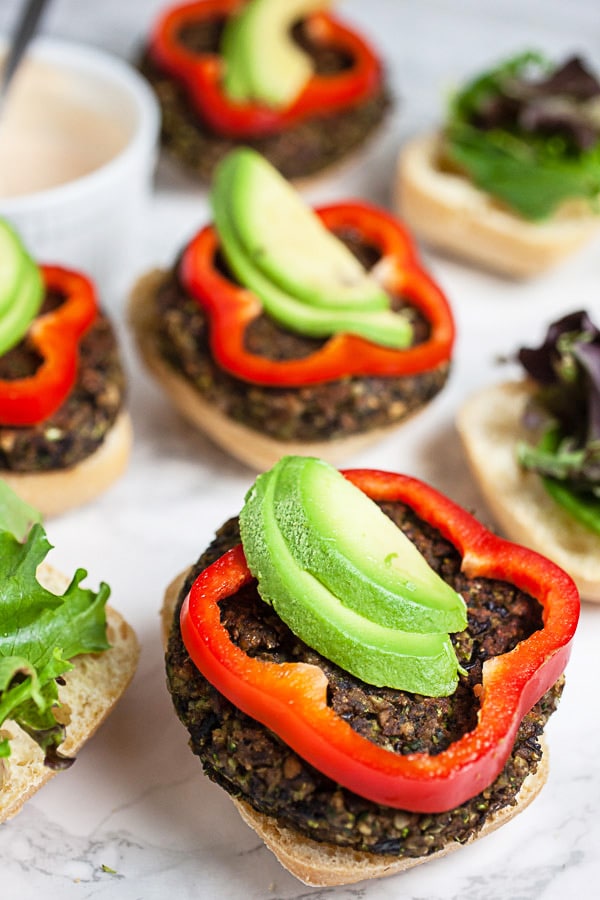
[
  {"x": 16, "y": 516},
  {"x": 569, "y": 475},
  {"x": 531, "y": 171},
  {"x": 584, "y": 507},
  {"x": 528, "y": 176},
  {"x": 467, "y": 103},
  {"x": 565, "y": 410},
  {"x": 39, "y": 633}
]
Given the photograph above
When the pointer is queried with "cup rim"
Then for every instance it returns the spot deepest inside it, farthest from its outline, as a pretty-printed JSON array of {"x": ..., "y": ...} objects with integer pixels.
[{"x": 124, "y": 77}]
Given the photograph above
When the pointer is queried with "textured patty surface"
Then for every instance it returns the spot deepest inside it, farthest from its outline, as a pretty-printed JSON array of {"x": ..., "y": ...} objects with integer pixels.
[{"x": 252, "y": 763}]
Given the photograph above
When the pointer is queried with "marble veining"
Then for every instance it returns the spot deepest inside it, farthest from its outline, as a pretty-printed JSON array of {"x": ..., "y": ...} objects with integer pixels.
[{"x": 134, "y": 818}]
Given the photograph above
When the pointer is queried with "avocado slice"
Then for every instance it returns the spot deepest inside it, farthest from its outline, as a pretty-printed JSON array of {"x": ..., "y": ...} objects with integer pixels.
[
  {"x": 236, "y": 82},
  {"x": 386, "y": 328},
  {"x": 420, "y": 663},
  {"x": 262, "y": 60},
  {"x": 21, "y": 289},
  {"x": 12, "y": 261},
  {"x": 339, "y": 535},
  {"x": 285, "y": 239}
]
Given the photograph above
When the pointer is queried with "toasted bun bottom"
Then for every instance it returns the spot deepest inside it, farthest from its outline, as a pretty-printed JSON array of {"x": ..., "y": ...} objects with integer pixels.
[
  {"x": 255, "y": 449},
  {"x": 490, "y": 426},
  {"x": 92, "y": 688},
  {"x": 55, "y": 491},
  {"x": 324, "y": 864},
  {"x": 446, "y": 209}
]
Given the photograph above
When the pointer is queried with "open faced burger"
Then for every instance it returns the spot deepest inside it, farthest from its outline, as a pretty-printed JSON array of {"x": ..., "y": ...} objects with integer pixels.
[
  {"x": 534, "y": 446},
  {"x": 288, "y": 79},
  {"x": 66, "y": 658},
  {"x": 512, "y": 180},
  {"x": 369, "y": 671},
  {"x": 283, "y": 329},
  {"x": 65, "y": 435}
]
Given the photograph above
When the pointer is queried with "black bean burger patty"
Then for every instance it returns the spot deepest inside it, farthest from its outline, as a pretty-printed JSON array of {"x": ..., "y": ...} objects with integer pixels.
[
  {"x": 299, "y": 151},
  {"x": 253, "y": 764},
  {"x": 327, "y": 411},
  {"x": 81, "y": 423}
]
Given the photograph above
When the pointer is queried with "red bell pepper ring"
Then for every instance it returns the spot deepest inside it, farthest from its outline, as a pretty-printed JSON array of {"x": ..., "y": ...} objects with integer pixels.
[
  {"x": 291, "y": 698},
  {"x": 55, "y": 336},
  {"x": 231, "y": 308},
  {"x": 201, "y": 73}
]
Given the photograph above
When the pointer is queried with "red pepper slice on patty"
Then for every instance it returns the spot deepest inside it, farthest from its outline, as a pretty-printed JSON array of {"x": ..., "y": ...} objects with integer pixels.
[
  {"x": 201, "y": 73},
  {"x": 291, "y": 698},
  {"x": 55, "y": 336},
  {"x": 231, "y": 308}
]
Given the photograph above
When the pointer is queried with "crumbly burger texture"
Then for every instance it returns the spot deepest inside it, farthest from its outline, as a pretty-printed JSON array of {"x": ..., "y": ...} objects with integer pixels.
[
  {"x": 322, "y": 832},
  {"x": 300, "y": 151},
  {"x": 89, "y": 693},
  {"x": 75, "y": 454},
  {"x": 257, "y": 423}
]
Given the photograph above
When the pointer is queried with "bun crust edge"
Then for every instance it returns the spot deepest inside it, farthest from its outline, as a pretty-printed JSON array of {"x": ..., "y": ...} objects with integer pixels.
[
  {"x": 92, "y": 689},
  {"x": 323, "y": 865},
  {"x": 326, "y": 865},
  {"x": 489, "y": 424},
  {"x": 256, "y": 450},
  {"x": 447, "y": 210},
  {"x": 56, "y": 491}
]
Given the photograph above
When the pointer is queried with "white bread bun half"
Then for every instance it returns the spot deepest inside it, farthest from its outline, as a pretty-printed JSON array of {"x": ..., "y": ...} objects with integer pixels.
[
  {"x": 323, "y": 864},
  {"x": 56, "y": 491},
  {"x": 92, "y": 689},
  {"x": 447, "y": 210},
  {"x": 490, "y": 425},
  {"x": 251, "y": 447}
]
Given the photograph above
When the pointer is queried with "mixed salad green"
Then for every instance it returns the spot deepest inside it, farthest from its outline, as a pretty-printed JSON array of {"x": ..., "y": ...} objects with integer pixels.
[
  {"x": 566, "y": 412},
  {"x": 40, "y": 632},
  {"x": 529, "y": 134}
]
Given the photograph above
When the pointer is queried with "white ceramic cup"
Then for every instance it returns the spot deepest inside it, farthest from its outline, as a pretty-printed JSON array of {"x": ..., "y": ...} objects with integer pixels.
[{"x": 94, "y": 222}]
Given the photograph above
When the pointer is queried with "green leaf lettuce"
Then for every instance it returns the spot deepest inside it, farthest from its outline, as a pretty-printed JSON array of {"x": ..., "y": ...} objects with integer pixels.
[{"x": 40, "y": 632}]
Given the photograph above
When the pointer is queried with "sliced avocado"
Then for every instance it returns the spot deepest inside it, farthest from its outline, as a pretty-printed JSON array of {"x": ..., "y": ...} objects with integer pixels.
[
  {"x": 262, "y": 60},
  {"x": 386, "y": 328},
  {"x": 24, "y": 306},
  {"x": 235, "y": 78},
  {"x": 16, "y": 516},
  {"x": 424, "y": 664},
  {"x": 343, "y": 538},
  {"x": 285, "y": 239},
  {"x": 12, "y": 260}
]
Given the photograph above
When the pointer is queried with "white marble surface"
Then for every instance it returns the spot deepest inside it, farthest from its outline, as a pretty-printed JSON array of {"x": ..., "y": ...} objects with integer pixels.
[{"x": 136, "y": 801}]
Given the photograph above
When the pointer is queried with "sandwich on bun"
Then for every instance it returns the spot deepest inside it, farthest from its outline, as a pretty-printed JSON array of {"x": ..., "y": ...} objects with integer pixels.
[
  {"x": 65, "y": 435},
  {"x": 287, "y": 79},
  {"x": 533, "y": 444},
  {"x": 511, "y": 181},
  {"x": 366, "y": 670},
  {"x": 65, "y": 658},
  {"x": 286, "y": 330}
]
